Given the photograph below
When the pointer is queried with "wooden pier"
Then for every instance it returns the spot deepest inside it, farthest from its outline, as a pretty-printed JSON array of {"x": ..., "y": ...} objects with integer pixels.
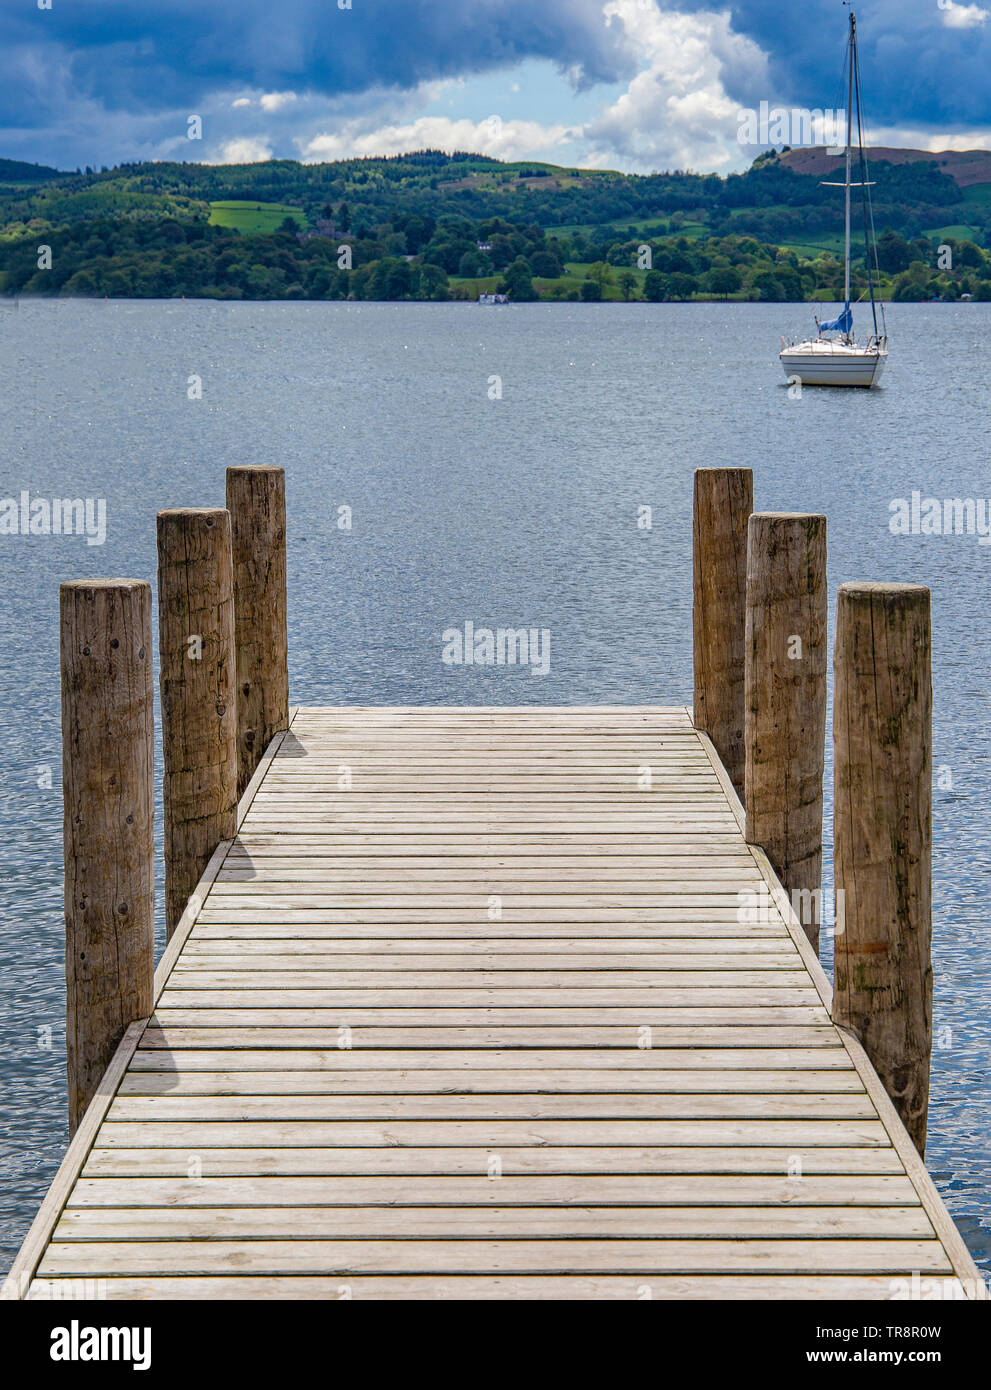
[
  {"x": 497, "y": 1003},
  {"x": 486, "y": 1023}
]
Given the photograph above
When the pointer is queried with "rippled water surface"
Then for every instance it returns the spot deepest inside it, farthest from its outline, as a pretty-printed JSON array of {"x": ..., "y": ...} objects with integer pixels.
[{"x": 513, "y": 512}]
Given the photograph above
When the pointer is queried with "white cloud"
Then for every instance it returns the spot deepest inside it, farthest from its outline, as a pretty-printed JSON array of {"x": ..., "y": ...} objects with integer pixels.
[
  {"x": 500, "y": 139},
  {"x": 978, "y": 140},
  {"x": 962, "y": 16},
  {"x": 241, "y": 101},
  {"x": 245, "y": 151},
  {"x": 274, "y": 101},
  {"x": 918, "y": 138},
  {"x": 676, "y": 112}
]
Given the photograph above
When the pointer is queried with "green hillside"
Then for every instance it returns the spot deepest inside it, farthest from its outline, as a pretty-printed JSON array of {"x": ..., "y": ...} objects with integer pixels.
[
  {"x": 438, "y": 226},
  {"x": 13, "y": 171},
  {"x": 769, "y": 200}
]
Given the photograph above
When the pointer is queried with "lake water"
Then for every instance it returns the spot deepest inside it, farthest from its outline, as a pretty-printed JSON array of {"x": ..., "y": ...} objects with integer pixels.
[{"x": 519, "y": 511}]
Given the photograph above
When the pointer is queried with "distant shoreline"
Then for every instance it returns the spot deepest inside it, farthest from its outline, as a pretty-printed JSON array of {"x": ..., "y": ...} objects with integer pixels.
[
  {"x": 434, "y": 227},
  {"x": 10, "y": 302}
]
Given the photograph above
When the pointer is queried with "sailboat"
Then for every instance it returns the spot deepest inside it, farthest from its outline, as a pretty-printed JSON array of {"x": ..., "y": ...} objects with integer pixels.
[{"x": 834, "y": 357}]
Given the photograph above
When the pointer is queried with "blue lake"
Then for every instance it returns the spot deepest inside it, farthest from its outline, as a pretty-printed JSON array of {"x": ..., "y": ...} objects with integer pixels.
[{"x": 519, "y": 511}]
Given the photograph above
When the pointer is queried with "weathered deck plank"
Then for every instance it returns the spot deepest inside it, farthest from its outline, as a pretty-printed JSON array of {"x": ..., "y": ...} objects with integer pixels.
[{"x": 488, "y": 1023}]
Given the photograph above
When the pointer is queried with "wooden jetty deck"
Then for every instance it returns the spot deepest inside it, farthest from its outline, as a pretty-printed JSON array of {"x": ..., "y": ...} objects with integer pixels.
[{"x": 467, "y": 1009}]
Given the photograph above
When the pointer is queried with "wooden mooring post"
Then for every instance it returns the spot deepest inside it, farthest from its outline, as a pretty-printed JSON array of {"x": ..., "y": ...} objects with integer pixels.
[
  {"x": 108, "y": 769},
  {"x": 882, "y": 735},
  {"x": 723, "y": 502},
  {"x": 785, "y": 727},
  {"x": 256, "y": 500},
  {"x": 199, "y": 706}
]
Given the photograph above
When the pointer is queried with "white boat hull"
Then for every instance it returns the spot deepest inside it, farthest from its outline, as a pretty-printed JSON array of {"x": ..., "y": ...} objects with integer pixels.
[{"x": 833, "y": 364}]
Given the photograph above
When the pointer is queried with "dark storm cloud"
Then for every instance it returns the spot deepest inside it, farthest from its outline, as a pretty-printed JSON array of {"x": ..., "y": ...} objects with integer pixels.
[
  {"x": 924, "y": 63},
  {"x": 104, "y": 80},
  {"x": 143, "y": 54}
]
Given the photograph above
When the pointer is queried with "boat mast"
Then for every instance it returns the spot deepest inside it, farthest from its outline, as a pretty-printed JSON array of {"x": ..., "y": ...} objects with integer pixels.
[
  {"x": 849, "y": 159},
  {"x": 870, "y": 239}
]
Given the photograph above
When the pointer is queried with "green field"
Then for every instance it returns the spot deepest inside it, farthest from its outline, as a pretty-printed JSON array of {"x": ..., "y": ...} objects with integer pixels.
[
  {"x": 254, "y": 218},
  {"x": 827, "y": 242},
  {"x": 576, "y": 273},
  {"x": 574, "y": 276},
  {"x": 476, "y": 285},
  {"x": 976, "y": 199},
  {"x": 959, "y": 231}
]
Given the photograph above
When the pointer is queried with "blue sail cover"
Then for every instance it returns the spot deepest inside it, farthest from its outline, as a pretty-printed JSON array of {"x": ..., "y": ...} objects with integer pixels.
[{"x": 843, "y": 324}]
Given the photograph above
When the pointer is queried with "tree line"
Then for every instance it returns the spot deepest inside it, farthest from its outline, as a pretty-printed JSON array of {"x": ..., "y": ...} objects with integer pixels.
[
  {"x": 414, "y": 257},
  {"x": 769, "y": 201}
]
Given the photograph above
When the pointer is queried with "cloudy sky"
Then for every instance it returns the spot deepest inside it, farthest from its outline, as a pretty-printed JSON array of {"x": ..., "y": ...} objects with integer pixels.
[{"x": 629, "y": 84}]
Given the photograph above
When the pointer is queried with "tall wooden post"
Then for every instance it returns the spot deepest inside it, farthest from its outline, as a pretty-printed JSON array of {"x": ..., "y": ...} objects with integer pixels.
[
  {"x": 882, "y": 734},
  {"x": 724, "y": 499},
  {"x": 199, "y": 714},
  {"x": 108, "y": 785},
  {"x": 256, "y": 500},
  {"x": 786, "y": 701}
]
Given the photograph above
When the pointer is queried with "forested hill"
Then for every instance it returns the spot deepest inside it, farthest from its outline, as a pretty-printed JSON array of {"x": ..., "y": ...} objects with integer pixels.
[
  {"x": 13, "y": 171},
  {"x": 770, "y": 198},
  {"x": 433, "y": 225}
]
